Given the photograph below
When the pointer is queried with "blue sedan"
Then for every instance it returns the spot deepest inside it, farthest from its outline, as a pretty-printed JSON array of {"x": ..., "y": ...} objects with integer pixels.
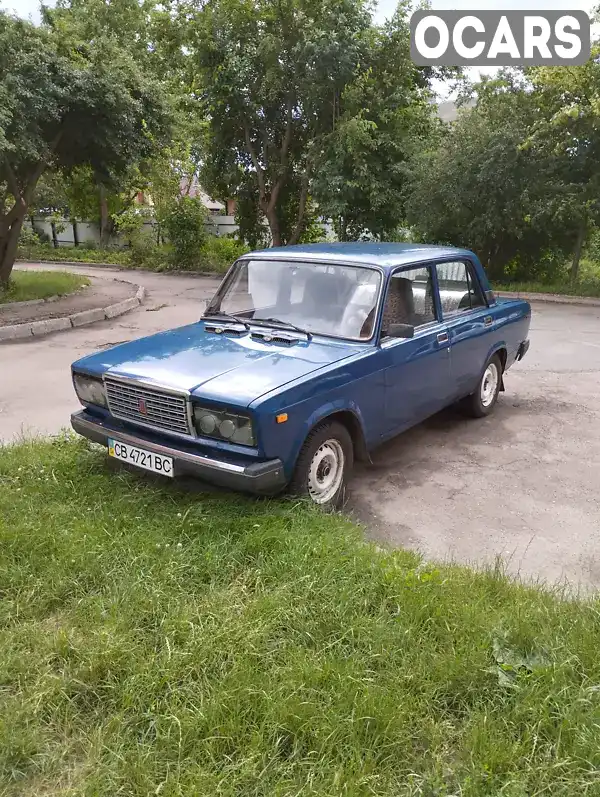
[{"x": 306, "y": 359}]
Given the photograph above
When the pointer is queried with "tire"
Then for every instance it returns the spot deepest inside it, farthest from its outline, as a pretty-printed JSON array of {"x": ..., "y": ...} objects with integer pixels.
[
  {"x": 483, "y": 400},
  {"x": 324, "y": 465}
]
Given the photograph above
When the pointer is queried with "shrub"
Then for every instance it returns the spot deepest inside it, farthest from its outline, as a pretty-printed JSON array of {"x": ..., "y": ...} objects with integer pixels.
[
  {"x": 28, "y": 239},
  {"x": 142, "y": 247},
  {"x": 184, "y": 225},
  {"x": 593, "y": 245},
  {"x": 220, "y": 253},
  {"x": 46, "y": 252}
]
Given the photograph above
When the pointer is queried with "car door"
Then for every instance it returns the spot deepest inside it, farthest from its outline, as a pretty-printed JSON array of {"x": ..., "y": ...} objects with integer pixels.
[
  {"x": 467, "y": 317},
  {"x": 418, "y": 380}
]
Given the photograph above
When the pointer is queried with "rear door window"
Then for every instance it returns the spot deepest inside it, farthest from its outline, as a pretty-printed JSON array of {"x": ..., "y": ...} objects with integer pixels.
[{"x": 460, "y": 291}]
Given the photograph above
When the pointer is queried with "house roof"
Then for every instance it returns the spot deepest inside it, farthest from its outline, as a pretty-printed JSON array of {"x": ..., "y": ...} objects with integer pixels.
[
  {"x": 195, "y": 190},
  {"x": 385, "y": 255}
]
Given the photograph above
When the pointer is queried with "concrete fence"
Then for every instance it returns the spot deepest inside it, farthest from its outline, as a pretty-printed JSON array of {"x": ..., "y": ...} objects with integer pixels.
[{"x": 88, "y": 232}]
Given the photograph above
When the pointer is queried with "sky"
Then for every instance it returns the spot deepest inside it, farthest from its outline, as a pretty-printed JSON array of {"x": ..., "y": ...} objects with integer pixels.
[
  {"x": 385, "y": 8},
  {"x": 26, "y": 8}
]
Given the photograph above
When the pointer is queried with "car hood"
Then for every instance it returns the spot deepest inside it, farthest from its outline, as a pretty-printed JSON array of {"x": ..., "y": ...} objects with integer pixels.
[{"x": 233, "y": 369}]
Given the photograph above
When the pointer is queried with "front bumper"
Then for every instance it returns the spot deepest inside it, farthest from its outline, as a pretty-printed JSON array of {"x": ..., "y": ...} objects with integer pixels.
[{"x": 262, "y": 478}]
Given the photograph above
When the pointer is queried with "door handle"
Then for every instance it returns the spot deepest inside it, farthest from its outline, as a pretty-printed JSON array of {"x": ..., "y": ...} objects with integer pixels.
[
  {"x": 488, "y": 321},
  {"x": 443, "y": 337}
]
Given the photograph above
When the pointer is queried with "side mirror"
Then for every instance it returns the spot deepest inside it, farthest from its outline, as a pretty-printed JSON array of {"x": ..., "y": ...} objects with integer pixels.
[{"x": 401, "y": 331}]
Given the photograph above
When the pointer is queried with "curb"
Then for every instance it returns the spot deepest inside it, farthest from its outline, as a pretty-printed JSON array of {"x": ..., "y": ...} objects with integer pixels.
[
  {"x": 549, "y": 298},
  {"x": 38, "y": 328}
]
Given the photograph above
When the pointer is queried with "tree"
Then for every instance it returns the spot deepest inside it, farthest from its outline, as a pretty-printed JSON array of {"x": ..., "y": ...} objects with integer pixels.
[
  {"x": 385, "y": 117},
  {"x": 567, "y": 132},
  {"x": 144, "y": 29},
  {"x": 65, "y": 103},
  {"x": 271, "y": 79},
  {"x": 476, "y": 185}
]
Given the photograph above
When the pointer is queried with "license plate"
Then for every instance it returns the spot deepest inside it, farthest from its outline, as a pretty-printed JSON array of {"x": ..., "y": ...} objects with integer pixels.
[{"x": 143, "y": 459}]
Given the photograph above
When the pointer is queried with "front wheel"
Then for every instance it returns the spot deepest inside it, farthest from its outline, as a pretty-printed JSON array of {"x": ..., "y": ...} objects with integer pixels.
[
  {"x": 483, "y": 400},
  {"x": 324, "y": 465}
]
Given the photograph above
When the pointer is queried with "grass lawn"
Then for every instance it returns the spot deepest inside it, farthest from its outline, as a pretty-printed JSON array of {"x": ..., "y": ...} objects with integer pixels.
[
  {"x": 160, "y": 642},
  {"x": 26, "y": 285}
]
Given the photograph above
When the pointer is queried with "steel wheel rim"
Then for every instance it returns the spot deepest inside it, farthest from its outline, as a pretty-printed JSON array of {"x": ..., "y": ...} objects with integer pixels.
[
  {"x": 489, "y": 384},
  {"x": 326, "y": 471}
]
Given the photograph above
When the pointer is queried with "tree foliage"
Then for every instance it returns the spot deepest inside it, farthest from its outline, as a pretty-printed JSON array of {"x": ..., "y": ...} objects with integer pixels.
[
  {"x": 272, "y": 78},
  {"x": 299, "y": 110},
  {"x": 477, "y": 185},
  {"x": 566, "y": 132},
  {"x": 66, "y": 104},
  {"x": 385, "y": 116}
]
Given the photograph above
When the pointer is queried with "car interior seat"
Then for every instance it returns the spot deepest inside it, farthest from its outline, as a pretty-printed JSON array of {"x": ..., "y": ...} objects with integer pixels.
[{"x": 399, "y": 304}]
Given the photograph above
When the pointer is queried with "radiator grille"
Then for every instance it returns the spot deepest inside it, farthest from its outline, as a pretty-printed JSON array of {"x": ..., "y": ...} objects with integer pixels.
[{"x": 148, "y": 405}]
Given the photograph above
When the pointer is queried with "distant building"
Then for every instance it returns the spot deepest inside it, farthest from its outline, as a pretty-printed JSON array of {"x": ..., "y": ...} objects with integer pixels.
[{"x": 214, "y": 207}]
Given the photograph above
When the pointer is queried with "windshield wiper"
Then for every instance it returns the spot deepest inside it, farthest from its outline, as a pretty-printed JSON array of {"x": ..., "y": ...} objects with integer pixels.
[
  {"x": 279, "y": 322},
  {"x": 225, "y": 317}
]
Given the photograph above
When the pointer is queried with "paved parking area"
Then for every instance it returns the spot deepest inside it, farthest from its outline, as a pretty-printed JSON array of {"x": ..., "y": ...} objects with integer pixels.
[
  {"x": 36, "y": 394},
  {"x": 523, "y": 485}
]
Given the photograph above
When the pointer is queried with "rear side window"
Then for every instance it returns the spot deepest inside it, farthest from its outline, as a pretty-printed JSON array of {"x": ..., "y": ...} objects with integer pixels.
[{"x": 459, "y": 289}]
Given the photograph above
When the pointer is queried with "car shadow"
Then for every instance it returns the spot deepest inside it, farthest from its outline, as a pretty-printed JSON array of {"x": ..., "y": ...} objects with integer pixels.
[{"x": 405, "y": 460}]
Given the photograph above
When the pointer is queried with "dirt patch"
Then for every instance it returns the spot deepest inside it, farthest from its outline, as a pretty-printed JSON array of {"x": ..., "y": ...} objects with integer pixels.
[{"x": 101, "y": 293}]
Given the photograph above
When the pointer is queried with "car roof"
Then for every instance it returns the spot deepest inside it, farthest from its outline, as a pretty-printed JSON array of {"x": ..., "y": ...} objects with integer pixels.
[{"x": 385, "y": 255}]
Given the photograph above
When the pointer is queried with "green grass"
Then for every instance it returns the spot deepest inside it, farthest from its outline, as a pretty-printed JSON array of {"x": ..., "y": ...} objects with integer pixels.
[
  {"x": 160, "y": 642},
  {"x": 27, "y": 285}
]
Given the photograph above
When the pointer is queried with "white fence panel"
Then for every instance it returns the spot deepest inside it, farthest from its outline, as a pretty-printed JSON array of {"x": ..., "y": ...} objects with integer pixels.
[{"x": 88, "y": 232}]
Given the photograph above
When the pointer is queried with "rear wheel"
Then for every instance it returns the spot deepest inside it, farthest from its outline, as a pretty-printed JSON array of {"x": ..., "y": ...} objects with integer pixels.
[
  {"x": 324, "y": 465},
  {"x": 483, "y": 400}
]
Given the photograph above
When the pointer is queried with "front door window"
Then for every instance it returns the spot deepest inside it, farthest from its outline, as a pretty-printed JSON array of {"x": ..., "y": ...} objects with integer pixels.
[{"x": 409, "y": 299}]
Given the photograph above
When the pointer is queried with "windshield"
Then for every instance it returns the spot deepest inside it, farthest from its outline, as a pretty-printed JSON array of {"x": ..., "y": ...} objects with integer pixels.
[{"x": 319, "y": 298}]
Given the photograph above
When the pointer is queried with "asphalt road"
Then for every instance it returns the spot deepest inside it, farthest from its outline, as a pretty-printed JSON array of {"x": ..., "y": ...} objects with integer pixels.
[
  {"x": 522, "y": 486},
  {"x": 36, "y": 394}
]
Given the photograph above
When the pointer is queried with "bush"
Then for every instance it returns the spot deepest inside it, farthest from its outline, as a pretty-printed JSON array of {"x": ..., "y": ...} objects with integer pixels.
[
  {"x": 185, "y": 229},
  {"x": 220, "y": 253},
  {"x": 79, "y": 254},
  {"x": 28, "y": 239},
  {"x": 142, "y": 247},
  {"x": 214, "y": 255}
]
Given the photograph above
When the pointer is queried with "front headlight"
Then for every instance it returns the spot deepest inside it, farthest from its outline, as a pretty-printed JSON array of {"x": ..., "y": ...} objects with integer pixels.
[
  {"x": 224, "y": 425},
  {"x": 89, "y": 390}
]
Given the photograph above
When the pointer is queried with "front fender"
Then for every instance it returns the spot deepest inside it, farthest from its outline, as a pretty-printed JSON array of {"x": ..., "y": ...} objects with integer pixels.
[{"x": 328, "y": 409}]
